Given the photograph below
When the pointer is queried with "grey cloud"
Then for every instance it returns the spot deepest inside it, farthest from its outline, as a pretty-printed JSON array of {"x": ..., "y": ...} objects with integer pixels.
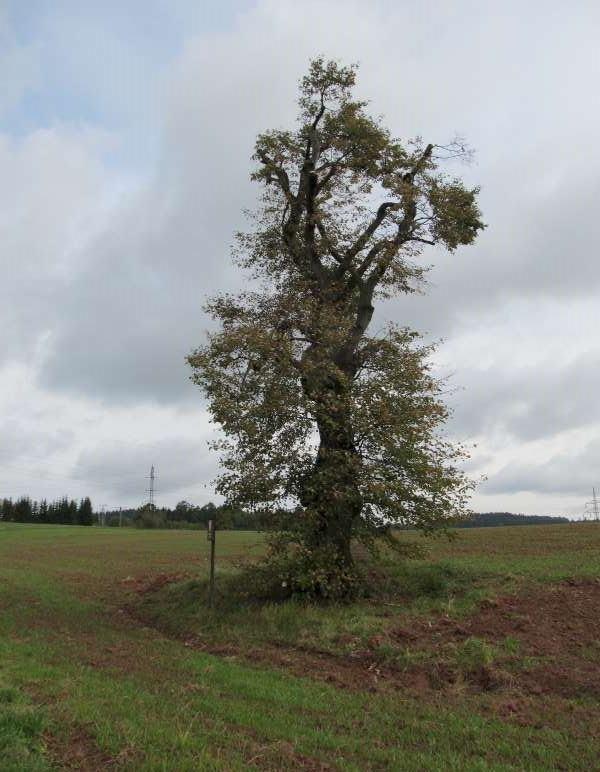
[
  {"x": 528, "y": 403},
  {"x": 21, "y": 442},
  {"x": 18, "y": 65},
  {"x": 52, "y": 192},
  {"x": 534, "y": 248},
  {"x": 570, "y": 472},
  {"x": 130, "y": 318}
]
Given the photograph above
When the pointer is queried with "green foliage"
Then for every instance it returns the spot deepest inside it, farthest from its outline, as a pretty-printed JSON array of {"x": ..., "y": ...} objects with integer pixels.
[
  {"x": 512, "y": 645},
  {"x": 85, "y": 515},
  {"x": 293, "y": 571},
  {"x": 340, "y": 428},
  {"x": 440, "y": 580},
  {"x": 148, "y": 516},
  {"x": 494, "y": 519}
]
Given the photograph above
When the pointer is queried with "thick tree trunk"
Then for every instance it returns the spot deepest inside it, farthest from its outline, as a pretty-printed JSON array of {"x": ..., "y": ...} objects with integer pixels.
[
  {"x": 331, "y": 495},
  {"x": 331, "y": 491}
]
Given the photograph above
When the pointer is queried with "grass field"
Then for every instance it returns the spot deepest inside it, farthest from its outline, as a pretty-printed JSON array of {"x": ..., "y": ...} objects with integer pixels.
[{"x": 484, "y": 655}]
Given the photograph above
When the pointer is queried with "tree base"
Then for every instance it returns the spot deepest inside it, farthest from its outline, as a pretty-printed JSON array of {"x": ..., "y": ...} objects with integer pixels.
[{"x": 295, "y": 571}]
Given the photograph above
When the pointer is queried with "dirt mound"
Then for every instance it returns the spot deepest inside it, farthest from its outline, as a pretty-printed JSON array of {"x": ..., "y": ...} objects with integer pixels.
[{"x": 552, "y": 631}]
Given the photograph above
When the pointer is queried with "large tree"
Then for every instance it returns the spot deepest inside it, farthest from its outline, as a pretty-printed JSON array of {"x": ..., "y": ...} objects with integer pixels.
[{"x": 335, "y": 429}]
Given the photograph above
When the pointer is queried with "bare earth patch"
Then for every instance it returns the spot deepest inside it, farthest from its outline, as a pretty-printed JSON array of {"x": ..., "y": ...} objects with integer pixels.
[
  {"x": 80, "y": 751},
  {"x": 556, "y": 627}
]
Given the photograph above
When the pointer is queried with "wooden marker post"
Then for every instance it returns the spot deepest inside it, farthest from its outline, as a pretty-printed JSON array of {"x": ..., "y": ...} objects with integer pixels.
[{"x": 210, "y": 535}]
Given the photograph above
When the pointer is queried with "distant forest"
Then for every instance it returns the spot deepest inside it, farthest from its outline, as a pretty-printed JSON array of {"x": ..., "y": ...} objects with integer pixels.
[
  {"x": 62, "y": 511},
  {"x": 70, "y": 512},
  {"x": 491, "y": 519},
  {"x": 186, "y": 515}
]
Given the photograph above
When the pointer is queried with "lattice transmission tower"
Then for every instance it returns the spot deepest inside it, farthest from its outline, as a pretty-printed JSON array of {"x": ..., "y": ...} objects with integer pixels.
[
  {"x": 150, "y": 491},
  {"x": 592, "y": 508}
]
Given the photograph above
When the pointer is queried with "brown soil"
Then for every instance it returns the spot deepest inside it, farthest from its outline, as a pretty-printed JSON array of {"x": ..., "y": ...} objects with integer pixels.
[
  {"x": 143, "y": 585},
  {"x": 556, "y": 628},
  {"x": 80, "y": 751},
  {"x": 278, "y": 755}
]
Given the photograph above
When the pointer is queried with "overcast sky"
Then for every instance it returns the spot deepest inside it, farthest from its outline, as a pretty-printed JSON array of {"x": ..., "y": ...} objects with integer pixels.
[{"x": 126, "y": 130}]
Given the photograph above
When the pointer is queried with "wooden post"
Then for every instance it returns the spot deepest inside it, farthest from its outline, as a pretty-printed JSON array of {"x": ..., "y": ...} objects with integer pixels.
[{"x": 211, "y": 537}]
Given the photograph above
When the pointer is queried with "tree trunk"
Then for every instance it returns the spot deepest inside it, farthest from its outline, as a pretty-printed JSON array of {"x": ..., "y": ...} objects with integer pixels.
[{"x": 331, "y": 495}]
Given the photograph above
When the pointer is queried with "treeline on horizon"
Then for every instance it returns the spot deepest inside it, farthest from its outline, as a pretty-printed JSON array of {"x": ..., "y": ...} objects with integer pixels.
[
  {"x": 61, "y": 512},
  {"x": 67, "y": 511},
  {"x": 185, "y": 515},
  {"x": 490, "y": 519}
]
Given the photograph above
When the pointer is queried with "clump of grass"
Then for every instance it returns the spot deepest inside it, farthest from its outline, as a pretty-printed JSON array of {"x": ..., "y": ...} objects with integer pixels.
[
  {"x": 182, "y": 609},
  {"x": 405, "y": 581},
  {"x": 476, "y": 661},
  {"x": 417, "y": 580},
  {"x": 7, "y": 696},
  {"x": 402, "y": 658},
  {"x": 512, "y": 645},
  {"x": 473, "y": 654},
  {"x": 21, "y": 727},
  {"x": 591, "y": 652}
]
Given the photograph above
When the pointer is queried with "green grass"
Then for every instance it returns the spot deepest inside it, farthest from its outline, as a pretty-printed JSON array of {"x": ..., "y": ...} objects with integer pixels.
[
  {"x": 73, "y": 664},
  {"x": 453, "y": 578},
  {"x": 21, "y": 727},
  {"x": 544, "y": 553},
  {"x": 419, "y": 589}
]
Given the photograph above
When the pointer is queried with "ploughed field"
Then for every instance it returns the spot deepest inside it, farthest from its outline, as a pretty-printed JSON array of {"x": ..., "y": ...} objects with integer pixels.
[{"x": 482, "y": 655}]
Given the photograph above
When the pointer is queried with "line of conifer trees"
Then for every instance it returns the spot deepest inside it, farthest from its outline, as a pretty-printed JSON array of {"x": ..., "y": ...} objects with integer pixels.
[{"x": 62, "y": 511}]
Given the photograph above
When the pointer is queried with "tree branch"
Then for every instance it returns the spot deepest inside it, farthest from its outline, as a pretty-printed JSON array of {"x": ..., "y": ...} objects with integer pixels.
[
  {"x": 286, "y": 209},
  {"x": 371, "y": 255},
  {"x": 425, "y": 156},
  {"x": 332, "y": 170},
  {"x": 402, "y": 237},
  {"x": 313, "y": 133},
  {"x": 386, "y": 207},
  {"x": 371, "y": 228},
  {"x": 280, "y": 173},
  {"x": 404, "y": 228},
  {"x": 326, "y": 241}
]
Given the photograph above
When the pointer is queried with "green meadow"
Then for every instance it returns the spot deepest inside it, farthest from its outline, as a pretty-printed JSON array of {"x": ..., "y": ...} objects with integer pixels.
[{"x": 111, "y": 659}]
